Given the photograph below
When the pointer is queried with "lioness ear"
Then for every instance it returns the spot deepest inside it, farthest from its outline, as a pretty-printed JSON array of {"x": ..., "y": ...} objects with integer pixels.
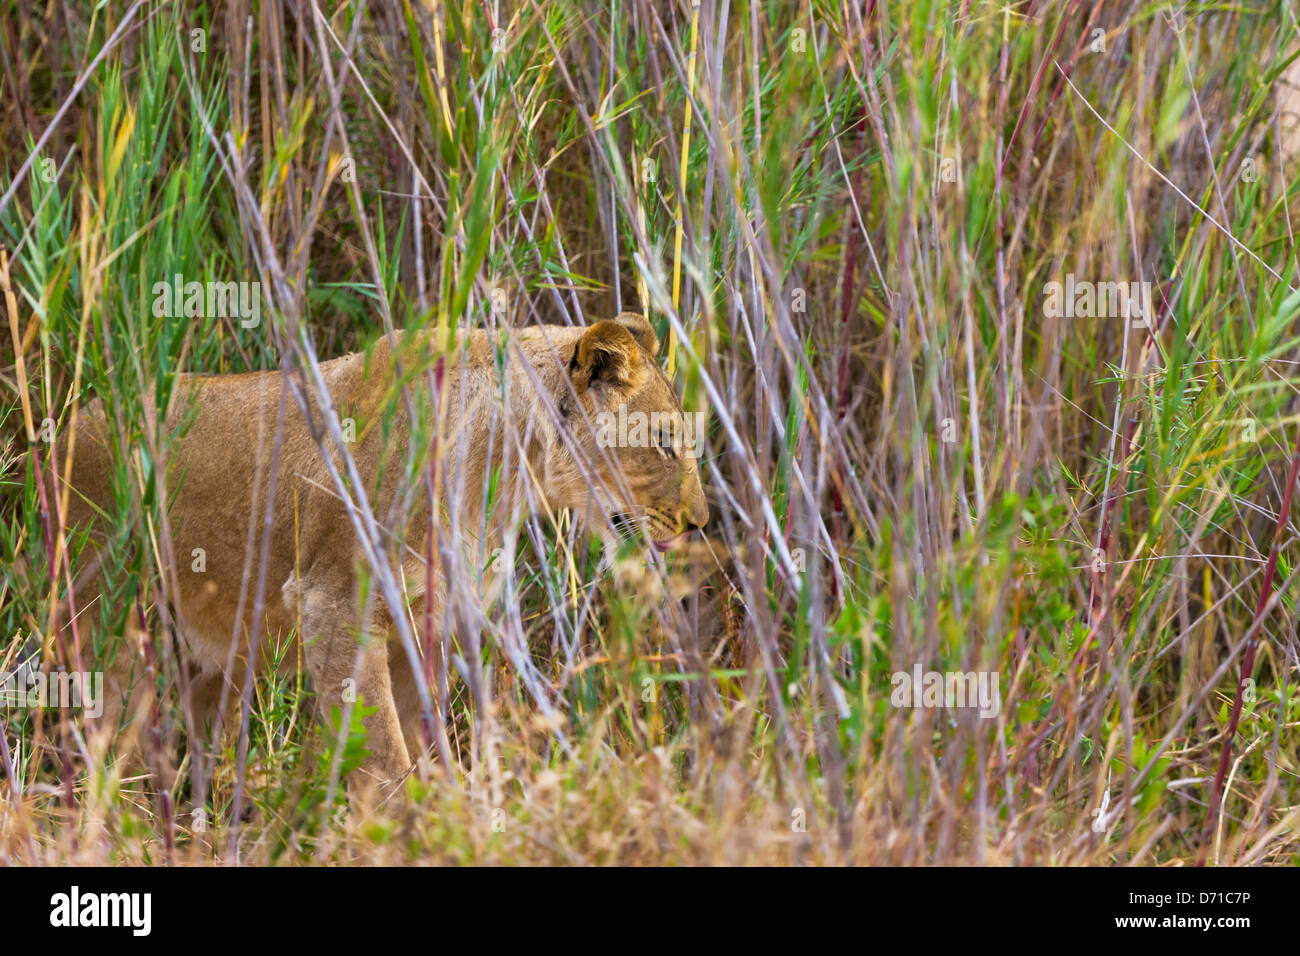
[
  {"x": 641, "y": 330},
  {"x": 607, "y": 354}
]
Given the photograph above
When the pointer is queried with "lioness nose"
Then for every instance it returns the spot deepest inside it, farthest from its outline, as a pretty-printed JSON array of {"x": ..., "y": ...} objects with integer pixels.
[{"x": 699, "y": 515}]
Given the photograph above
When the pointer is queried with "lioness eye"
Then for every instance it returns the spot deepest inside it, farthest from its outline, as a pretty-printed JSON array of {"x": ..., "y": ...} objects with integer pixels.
[{"x": 663, "y": 442}]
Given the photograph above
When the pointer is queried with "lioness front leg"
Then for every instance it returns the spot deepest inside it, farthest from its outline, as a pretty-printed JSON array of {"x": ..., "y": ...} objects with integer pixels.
[
  {"x": 336, "y": 659},
  {"x": 406, "y": 694}
]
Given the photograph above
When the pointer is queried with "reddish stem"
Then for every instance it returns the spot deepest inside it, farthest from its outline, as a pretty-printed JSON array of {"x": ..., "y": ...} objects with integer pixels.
[{"x": 1248, "y": 659}]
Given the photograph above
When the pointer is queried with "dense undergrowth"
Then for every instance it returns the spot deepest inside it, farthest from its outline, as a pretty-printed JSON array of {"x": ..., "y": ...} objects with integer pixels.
[{"x": 844, "y": 220}]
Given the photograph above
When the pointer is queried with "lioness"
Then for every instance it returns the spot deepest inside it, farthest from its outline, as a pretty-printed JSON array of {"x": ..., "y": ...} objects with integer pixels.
[{"x": 219, "y": 473}]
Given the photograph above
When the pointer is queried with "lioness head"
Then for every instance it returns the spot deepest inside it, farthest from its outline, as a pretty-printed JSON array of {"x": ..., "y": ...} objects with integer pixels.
[{"x": 641, "y": 443}]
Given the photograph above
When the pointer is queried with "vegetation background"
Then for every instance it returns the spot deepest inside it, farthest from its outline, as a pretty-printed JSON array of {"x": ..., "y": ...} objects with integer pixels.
[{"x": 841, "y": 216}]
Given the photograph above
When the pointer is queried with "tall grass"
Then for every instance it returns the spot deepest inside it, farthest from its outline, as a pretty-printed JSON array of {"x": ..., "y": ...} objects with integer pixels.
[{"x": 842, "y": 218}]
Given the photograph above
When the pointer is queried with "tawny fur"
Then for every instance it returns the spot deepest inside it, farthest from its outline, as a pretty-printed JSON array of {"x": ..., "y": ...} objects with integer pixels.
[{"x": 219, "y": 471}]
